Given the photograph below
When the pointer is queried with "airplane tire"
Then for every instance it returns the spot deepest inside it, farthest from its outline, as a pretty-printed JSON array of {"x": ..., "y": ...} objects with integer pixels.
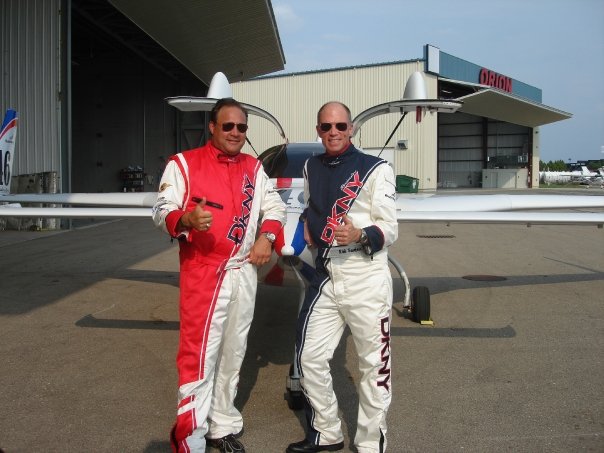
[{"x": 420, "y": 304}]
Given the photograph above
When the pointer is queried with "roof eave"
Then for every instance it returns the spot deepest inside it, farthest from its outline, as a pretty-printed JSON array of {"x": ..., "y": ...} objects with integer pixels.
[
  {"x": 502, "y": 106},
  {"x": 237, "y": 38}
]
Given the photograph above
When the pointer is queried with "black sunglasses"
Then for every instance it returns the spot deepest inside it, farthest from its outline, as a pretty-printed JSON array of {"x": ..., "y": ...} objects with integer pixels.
[
  {"x": 326, "y": 127},
  {"x": 226, "y": 127}
]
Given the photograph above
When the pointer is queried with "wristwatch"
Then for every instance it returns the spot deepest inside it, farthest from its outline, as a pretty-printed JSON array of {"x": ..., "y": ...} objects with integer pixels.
[
  {"x": 363, "y": 239},
  {"x": 271, "y": 237}
]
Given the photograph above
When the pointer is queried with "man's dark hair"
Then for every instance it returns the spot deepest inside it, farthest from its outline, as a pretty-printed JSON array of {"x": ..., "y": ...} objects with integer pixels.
[{"x": 225, "y": 102}]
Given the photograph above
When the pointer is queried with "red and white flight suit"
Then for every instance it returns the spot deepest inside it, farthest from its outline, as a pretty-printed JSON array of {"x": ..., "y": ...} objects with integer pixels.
[{"x": 217, "y": 283}]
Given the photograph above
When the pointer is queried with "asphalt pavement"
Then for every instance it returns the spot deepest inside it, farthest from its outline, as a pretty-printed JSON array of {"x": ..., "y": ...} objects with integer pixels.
[{"x": 513, "y": 362}]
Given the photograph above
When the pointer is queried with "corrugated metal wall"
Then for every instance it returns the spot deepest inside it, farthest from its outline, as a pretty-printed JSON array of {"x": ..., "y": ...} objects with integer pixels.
[
  {"x": 467, "y": 143},
  {"x": 461, "y": 150},
  {"x": 30, "y": 80},
  {"x": 295, "y": 99}
]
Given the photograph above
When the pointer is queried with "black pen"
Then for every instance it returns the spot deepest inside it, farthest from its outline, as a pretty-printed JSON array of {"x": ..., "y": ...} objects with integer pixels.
[{"x": 208, "y": 203}]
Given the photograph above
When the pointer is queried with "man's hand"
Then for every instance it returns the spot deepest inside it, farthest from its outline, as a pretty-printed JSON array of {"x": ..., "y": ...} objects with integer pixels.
[
  {"x": 198, "y": 219},
  {"x": 346, "y": 233},
  {"x": 261, "y": 251}
]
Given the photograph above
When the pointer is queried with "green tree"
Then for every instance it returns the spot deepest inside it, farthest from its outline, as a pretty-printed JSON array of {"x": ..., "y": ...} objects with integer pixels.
[{"x": 557, "y": 165}]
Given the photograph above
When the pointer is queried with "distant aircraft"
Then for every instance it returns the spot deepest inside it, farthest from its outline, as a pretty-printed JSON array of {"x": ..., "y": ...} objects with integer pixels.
[
  {"x": 582, "y": 176},
  {"x": 595, "y": 179}
]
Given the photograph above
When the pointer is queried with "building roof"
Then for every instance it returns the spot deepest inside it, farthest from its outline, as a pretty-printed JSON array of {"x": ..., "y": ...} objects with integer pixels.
[{"x": 237, "y": 38}]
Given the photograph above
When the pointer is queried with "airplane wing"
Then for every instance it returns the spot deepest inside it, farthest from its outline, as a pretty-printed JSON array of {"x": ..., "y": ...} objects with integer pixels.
[
  {"x": 99, "y": 205},
  {"x": 410, "y": 208},
  {"x": 129, "y": 199},
  {"x": 500, "y": 208},
  {"x": 496, "y": 202},
  {"x": 524, "y": 218},
  {"x": 74, "y": 213}
]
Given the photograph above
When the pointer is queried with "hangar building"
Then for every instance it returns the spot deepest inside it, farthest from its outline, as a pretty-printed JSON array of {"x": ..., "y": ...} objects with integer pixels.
[
  {"x": 88, "y": 79},
  {"x": 491, "y": 142}
]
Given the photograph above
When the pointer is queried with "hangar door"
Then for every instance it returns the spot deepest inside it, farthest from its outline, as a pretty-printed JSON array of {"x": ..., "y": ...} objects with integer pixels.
[{"x": 469, "y": 145}]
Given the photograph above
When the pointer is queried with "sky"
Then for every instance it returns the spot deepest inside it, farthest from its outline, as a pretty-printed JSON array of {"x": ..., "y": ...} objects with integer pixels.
[{"x": 554, "y": 45}]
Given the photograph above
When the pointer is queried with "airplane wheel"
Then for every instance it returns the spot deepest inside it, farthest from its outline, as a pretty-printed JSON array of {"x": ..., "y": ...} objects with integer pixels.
[{"x": 420, "y": 304}]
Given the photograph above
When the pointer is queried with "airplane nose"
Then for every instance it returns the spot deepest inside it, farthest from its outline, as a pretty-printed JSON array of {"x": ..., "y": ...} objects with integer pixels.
[{"x": 287, "y": 250}]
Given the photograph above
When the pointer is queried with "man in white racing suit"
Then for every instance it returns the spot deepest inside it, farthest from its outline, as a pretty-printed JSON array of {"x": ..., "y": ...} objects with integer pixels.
[
  {"x": 350, "y": 218},
  {"x": 212, "y": 199}
]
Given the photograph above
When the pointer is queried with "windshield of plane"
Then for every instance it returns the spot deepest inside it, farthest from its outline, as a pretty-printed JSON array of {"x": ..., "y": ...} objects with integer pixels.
[{"x": 287, "y": 160}]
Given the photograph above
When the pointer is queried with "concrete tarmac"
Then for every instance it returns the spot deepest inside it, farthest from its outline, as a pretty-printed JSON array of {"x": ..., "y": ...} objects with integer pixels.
[{"x": 514, "y": 362}]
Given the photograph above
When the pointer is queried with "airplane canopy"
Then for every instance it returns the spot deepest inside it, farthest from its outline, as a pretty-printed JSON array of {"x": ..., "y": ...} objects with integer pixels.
[
  {"x": 240, "y": 39},
  {"x": 402, "y": 106},
  {"x": 499, "y": 105},
  {"x": 196, "y": 104}
]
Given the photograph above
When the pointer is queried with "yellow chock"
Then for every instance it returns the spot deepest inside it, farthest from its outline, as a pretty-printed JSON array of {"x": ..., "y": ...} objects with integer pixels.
[{"x": 429, "y": 322}]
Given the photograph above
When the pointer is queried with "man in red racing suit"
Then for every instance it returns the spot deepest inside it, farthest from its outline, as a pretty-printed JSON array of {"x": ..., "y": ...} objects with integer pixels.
[{"x": 212, "y": 199}]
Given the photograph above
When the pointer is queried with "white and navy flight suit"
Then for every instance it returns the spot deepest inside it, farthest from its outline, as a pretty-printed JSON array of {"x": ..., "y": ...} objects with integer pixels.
[
  {"x": 353, "y": 287},
  {"x": 217, "y": 283}
]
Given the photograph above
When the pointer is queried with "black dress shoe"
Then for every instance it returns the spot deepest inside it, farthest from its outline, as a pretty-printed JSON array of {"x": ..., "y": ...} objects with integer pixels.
[
  {"x": 305, "y": 446},
  {"x": 227, "y": 444}
]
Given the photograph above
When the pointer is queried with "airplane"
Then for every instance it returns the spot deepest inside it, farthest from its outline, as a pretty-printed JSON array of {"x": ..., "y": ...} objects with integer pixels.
[
  {"x": 589, "y": 178},
  {"x": 8, "y": 134},
  {"x": 283, "y": 163},
  {"x": 292, "y": 264},
  {"x": 582, "y": 176},
  {"x": 593, "y": 180}
]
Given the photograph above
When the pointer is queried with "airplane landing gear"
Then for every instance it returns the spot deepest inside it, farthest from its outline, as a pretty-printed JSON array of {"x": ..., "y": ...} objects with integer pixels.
[
  {"x": 419, "y": 304},
  {"x": 294, "y": 396}
]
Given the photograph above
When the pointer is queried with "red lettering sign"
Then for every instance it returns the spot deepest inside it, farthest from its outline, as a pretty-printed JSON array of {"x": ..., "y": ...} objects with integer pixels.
[{"x": 493, "y": 79}]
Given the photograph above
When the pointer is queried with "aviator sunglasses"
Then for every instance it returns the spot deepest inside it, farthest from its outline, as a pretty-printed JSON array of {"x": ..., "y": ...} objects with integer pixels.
[
  {"x": 241, "y": 127},
  {"x": 326, "y": 127}
]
